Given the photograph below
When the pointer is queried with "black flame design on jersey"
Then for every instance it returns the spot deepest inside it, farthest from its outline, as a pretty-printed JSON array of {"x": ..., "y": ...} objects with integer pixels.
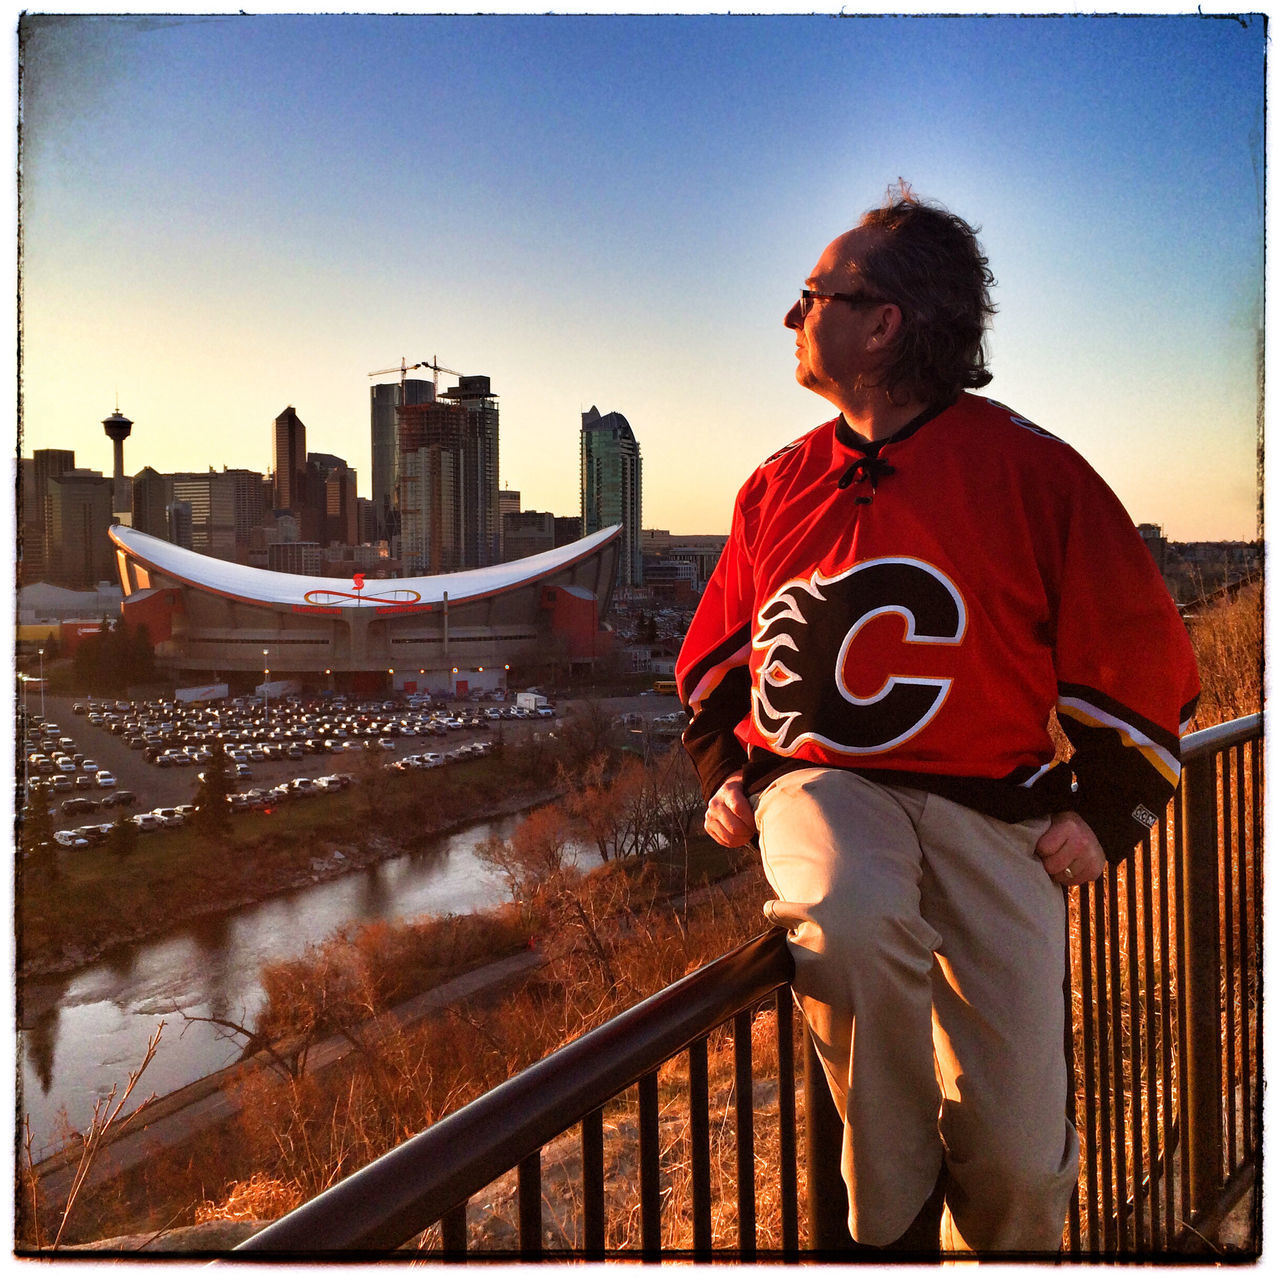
[{"x": 805, "y": 630}]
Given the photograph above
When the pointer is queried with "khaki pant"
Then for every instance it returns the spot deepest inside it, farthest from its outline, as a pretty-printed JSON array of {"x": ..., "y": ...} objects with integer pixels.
[{"x": 929, "y": 944}]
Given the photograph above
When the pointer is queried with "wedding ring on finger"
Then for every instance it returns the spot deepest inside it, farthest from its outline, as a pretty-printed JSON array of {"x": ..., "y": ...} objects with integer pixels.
[{"x": 1071, "y": 875}]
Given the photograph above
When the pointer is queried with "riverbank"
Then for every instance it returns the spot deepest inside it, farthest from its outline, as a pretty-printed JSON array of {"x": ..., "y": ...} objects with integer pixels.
[{"x": 296, "y": 852}]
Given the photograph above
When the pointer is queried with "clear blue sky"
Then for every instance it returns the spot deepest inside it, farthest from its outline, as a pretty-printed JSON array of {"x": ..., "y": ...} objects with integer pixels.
[{"x": 225, "y": 215}]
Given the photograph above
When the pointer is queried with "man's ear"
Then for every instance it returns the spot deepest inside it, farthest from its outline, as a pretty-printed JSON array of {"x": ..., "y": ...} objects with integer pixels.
[{"x": 887, "y": 326}]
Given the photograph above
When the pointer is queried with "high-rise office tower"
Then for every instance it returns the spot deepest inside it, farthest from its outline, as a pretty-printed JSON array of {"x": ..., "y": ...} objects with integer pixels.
[
  {"x": 46, "y": 465},
  {"x": 481, "y": 527},
  {"x": 508, "y": 504},
  {"x": 211, "y": 496},
  {"x": 118, "y": 428},
  {"x": 249, "y": 505},
  {"x": 332, "y": 490},
  {"x": 448, "y": 490},
  {"x": 37, "y": 471},
  {"x": 178, "y": 516},
  {"x": 289, "y": 457},
  {"x": 77, "y": 552},
  {"x": 430, "y": 499},
  {"x": 384, "y": 401},
  {"x": 152, "y": 494},
  {"x": 611, "y": 486}
]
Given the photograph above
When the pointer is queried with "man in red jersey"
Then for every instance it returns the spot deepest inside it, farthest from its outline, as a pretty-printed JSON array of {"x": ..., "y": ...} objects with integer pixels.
[{"x": 908, "y": 593}]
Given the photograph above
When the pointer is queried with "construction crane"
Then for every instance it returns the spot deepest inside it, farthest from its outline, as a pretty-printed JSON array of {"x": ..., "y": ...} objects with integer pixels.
[{"x": 403, "y": 368}]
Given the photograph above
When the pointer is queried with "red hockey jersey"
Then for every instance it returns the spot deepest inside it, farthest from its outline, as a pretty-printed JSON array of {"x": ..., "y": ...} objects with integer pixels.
[{"x": 914, "y": 609}]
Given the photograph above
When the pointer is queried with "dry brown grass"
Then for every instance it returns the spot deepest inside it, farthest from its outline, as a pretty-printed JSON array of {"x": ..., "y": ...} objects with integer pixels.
[{"x": 1228, "y": 642}]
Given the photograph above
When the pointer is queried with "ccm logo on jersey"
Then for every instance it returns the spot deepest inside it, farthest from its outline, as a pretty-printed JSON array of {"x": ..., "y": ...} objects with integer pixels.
[{"x": 806, "y": 630}]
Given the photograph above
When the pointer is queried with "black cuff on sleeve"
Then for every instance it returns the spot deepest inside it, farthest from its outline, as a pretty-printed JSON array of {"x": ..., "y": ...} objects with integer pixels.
[
  {"x": 715, "y": 757},
  {"x": 1118, "y": 821}
]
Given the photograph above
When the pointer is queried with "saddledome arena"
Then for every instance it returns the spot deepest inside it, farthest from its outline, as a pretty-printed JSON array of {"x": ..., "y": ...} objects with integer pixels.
[{"x": 211, "y": 620}]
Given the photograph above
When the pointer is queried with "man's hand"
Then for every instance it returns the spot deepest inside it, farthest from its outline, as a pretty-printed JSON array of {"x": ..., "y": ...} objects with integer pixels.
[
  {"x": 1070, "y": 851},
  {"x": 730, "y": 820}
]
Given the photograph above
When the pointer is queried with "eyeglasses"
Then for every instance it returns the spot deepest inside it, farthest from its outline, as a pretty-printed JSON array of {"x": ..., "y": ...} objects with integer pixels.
[{"x": 807, "y": 297}]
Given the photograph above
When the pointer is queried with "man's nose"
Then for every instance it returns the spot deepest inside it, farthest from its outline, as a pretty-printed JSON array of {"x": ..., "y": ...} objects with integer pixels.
[{"x": 793, "y": 319}]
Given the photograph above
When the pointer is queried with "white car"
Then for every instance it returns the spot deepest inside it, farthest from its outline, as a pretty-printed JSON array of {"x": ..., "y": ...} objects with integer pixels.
[
  {"x": 105, "y": 780},
  {"x": 168, "y": 817},
  {"x": 145, "y": 821},
  {"x": 70, "y": 840}
]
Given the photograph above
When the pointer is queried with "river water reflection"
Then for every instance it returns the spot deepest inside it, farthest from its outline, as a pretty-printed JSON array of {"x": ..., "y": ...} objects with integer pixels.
[{"x": 85, "y": 1031}]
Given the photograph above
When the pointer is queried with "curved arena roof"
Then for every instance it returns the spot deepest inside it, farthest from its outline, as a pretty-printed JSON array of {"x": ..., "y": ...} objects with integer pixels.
[{"x": 265, "y": 586}]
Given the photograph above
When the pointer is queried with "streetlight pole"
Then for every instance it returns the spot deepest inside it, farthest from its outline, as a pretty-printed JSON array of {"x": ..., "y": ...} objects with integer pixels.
[
  {"x": 42, "y": 684},
  {"x": 266, "y": 681}
]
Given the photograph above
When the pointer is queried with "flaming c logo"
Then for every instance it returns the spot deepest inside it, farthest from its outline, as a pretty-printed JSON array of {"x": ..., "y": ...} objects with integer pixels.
[
  {"x": 805, "y": 633},
  {"x": 359, "y": 581}
]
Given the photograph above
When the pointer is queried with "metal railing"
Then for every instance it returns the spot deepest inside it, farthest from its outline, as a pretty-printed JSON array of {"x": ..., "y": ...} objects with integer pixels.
[
  {"x": 1166, "y": 973},
  {"x": 1164, "y": 1042}
]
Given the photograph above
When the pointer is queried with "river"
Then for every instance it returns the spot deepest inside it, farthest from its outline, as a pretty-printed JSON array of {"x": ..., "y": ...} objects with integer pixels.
[{"x": 83, "y": 1032}]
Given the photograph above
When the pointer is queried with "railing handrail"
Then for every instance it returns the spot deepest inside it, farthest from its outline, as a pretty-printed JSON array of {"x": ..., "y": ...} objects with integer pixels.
[
  {"x": 379, "y": 1207},
  {"x": 1217, "y": 737}
]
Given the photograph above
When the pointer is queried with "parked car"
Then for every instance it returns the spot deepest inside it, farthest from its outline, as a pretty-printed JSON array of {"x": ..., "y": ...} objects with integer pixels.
[
  {"x": 105, "y": 780},
  {"x": 70, "y": 840},
  {"x": 168, "y": 817},
  {"x": 145, "y": 821}
]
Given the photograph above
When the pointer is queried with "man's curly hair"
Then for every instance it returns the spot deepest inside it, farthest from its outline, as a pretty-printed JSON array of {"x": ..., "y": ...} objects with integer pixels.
[{"x": 929, "y": 262}]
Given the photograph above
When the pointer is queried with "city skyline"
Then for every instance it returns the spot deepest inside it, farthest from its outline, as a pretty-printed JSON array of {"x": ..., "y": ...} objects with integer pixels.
[{"x": 618, "y": 212}]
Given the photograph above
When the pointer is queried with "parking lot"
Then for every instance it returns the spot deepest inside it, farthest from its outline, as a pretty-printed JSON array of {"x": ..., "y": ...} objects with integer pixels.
[{"x": 148, "y": 756}]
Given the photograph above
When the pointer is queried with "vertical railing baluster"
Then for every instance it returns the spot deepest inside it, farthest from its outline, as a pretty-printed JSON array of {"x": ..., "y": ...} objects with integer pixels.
[
  {"x": 1133, "y": 1075},
  {"x": 1201, "y": 977},
  {"x": 1088, "y": 1010},
  {"x": 1183, "y": 960},
  {"x": 1227, "y": 844},
  {"x": 1151, "y": 1142},
  {"x": 1168, "y": 1019},
  {"x": 1250, "y": 858},
  {"x": 745, "y": 1135},
  {"x": 826, "y": 1201},
  {"x": 453, "y": 1233},
  {"x": 700, "y": 1149},
  {"x": 1102, "y": 975},
  {"x": 1255, "y": 950},
  {"x": 650, "y": 1182},
  {"x": 1115, "y": 978},
  {"x": 784, "y": 1010},
  {"x": 529, "y": 1196},
  {"x": 1246, "y": 961},
  {"x": 593, "y": 1215},
  {"x": 1073, "y": 1070}
]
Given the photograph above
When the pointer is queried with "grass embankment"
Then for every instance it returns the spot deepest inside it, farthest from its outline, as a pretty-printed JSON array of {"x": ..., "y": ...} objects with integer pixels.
[{"x": 98, "y": 900}]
